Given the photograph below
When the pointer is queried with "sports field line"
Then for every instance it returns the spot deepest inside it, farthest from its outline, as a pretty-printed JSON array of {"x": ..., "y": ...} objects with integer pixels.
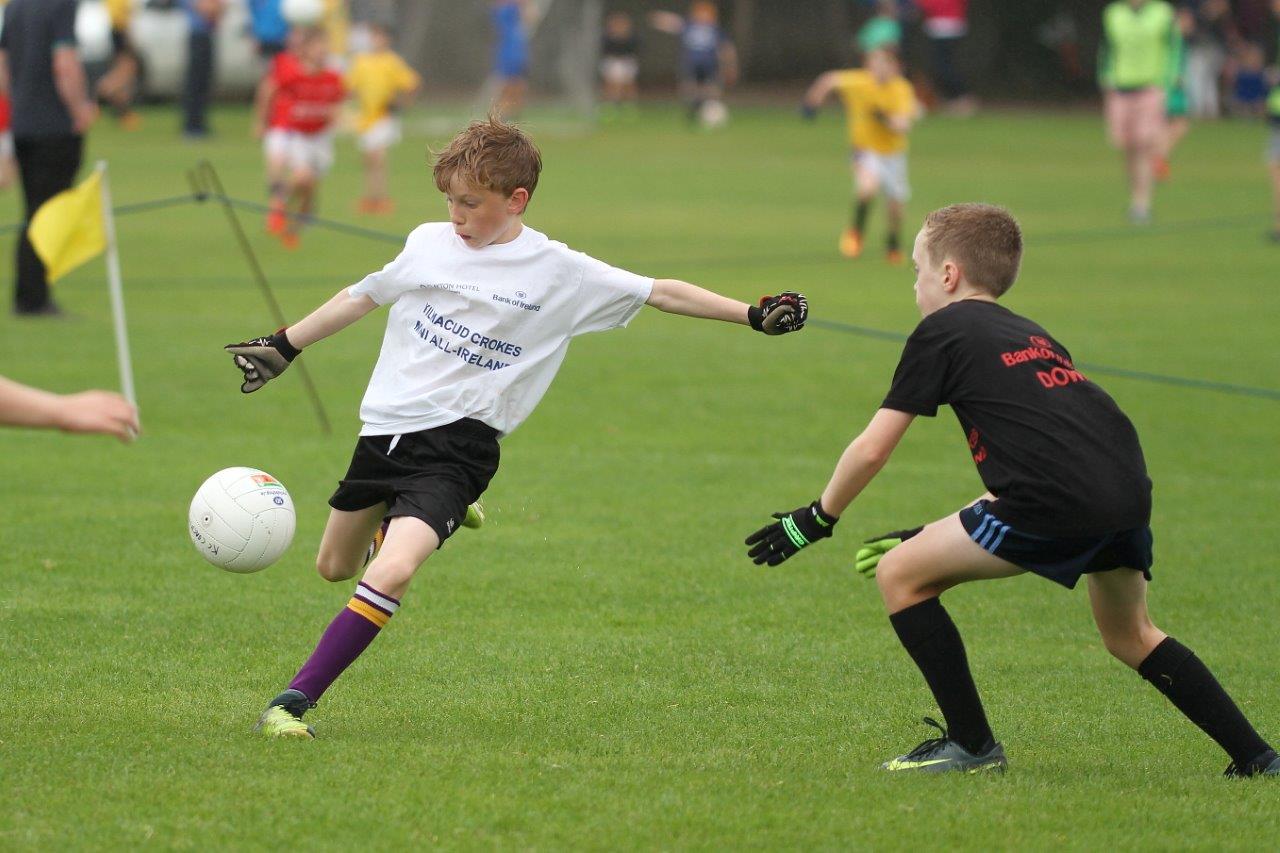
[
  {"x": 1105, "y": 370},
  {"x": 1076, "y": 236}
]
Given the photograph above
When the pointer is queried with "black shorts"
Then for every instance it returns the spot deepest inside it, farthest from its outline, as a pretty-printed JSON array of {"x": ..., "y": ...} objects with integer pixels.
[
  {"x": 1062, "y": 560},
  {"x": 432, "y": 475}
]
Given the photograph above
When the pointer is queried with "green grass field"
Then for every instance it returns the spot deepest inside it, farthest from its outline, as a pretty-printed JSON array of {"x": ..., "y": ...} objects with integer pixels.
[{"x": 601, "y": 667}]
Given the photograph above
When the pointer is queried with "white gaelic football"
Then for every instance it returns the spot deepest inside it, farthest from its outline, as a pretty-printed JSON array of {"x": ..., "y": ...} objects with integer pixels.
[
  {"x": 302, "y": 13},
  {"x": 713, "y": 113},
  {"x": 241, "y": 520}
]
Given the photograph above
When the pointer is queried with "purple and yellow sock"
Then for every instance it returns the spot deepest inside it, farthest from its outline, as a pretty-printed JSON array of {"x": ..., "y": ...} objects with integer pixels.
[{"x": 347, "y": 636}]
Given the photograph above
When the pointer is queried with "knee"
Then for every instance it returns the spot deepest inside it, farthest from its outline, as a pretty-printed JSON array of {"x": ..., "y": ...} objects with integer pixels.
[
  {"x": 896, "y": 587},
  {"x": 1132, "y": 643},
  {"x": 333, "y": 569},
  {"x": 390, "y": 572}
]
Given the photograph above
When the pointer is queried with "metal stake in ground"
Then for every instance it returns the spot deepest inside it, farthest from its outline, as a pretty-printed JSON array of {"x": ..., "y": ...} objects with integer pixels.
[{"x": 205, "y": 183}]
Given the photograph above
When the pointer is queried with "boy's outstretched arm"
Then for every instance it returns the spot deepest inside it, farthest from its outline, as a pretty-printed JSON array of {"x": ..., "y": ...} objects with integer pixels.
[
  {"x": 263, "y": 359},
  {"x": 817, "y": 93},
  {"x": 860, "y": 462},
  {"x": 775, "y": 315}
]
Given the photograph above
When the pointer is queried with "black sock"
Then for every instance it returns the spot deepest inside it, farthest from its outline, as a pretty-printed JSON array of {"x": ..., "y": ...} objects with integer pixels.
[
  {"x": 1177, "y": 673},
  {"x": 931, "y": 638},
  {"x": 860, "y": 210},
  {"x": 891, "y": 242}
]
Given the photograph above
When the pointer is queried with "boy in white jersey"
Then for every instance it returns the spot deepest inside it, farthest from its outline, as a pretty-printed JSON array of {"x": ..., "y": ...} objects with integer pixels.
[{"x": 482, "y": 311}]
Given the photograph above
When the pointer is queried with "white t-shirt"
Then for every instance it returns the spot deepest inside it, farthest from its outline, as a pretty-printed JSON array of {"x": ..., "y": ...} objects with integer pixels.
[{"x": 480, "y": 333}]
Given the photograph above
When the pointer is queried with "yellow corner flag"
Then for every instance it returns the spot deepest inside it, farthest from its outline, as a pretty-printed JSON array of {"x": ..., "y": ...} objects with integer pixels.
[{"x": 67, "y": 230}]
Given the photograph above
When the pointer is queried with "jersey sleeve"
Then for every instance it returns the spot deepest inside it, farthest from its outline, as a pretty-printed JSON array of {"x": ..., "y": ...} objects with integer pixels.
[
  {"x": 607, "y": 297},
  {"x": 407, "y": 79},
  {"x": 904, "y": 99},
  {"x": 64, "y": 27},
  {"x": 395, "y": 279},
  {"x": 920, "y": 380}
]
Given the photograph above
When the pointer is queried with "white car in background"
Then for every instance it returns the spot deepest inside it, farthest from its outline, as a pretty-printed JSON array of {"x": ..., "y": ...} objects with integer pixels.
[{"x": 159, "y": 33}]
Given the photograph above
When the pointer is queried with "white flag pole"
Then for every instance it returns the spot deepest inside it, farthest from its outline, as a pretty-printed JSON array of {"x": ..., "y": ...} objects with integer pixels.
[{"x": 116, "y": 290}]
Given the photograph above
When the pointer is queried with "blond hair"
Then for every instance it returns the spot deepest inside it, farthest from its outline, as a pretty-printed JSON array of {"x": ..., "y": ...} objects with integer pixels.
[
  {"x": 492, "y": 155},
  {"x": 983, "y": 239}
]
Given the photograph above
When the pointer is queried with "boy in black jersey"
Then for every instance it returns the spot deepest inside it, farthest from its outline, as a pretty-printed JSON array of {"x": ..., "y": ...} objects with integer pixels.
[{"x": 1067, "y": 495}]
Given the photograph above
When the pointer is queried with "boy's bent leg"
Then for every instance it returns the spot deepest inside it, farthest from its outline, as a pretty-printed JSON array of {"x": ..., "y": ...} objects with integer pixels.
[
  {"x": 345, "y": 543},
  {"x": 1119, "y": 605},
  {"x": 911, "y": 577}
]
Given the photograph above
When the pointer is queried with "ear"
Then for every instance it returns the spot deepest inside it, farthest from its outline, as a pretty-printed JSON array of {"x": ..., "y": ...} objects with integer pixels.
[
  {"x": 950, "y": 276},
  {"x": 518, "y": 202}
]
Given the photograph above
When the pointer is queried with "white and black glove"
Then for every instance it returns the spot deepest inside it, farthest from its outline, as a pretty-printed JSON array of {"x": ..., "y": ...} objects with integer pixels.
[
  {"x": 262, "y": 359},
  {"x": 777, "y": 315}
]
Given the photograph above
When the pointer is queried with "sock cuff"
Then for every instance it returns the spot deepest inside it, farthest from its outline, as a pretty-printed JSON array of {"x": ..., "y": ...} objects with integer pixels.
[
  {"x": 1165, "y": 659},
  {"x": 373, "y": 605},
  {"x": 919, "y": 622}
]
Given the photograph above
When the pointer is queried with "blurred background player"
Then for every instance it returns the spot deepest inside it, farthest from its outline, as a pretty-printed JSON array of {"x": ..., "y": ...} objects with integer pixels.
[
  {"x": 269, "y": 27},
  {"x": 119, "y": 85},
  {"x": 883, "y": 29},
  {"x": 272, "y": 109},
  {"x": 1273, "y": 148},
  {"x": 202, "y": 21},
  {"x": 1249, "y": 83},
  {"x": 383, "y": 84},
  {"x": 880, "y": 108},
  {"x": 312, "y": 93},
  {"x": 8, "y": 168},
  {"x": 945, "y": 24},
  {"x": 619, "y": 65},
  {"x": 1136, "y": 62},
  {"x": 1176, "y": 121},
  {"x": 511, "y": 55},
  {"x": 708, "y": 59}
]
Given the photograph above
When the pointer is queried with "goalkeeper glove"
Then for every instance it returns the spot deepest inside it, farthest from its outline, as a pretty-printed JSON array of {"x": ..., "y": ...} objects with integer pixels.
[
  {"x": 808, "y": 112},
  {"x": 262, "y": 359},
  {"x": 793, "y": 530},
  {"x": 868, "y": 556},
  {"x": 777, "y": 315}
]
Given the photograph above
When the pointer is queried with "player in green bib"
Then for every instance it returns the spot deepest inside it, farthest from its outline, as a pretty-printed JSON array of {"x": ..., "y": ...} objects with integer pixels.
[{"x": 1136, "y": 67}]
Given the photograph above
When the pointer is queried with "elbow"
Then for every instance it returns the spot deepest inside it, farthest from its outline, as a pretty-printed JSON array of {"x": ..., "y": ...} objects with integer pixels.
[
  {"x": 870, "y": 454},
  {"x": 660, "y": 296}
]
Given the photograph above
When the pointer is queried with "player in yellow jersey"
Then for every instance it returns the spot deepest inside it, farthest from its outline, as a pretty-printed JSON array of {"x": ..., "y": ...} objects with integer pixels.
[
  {"x": 382, "y": 83},
  {"x": 880, "y": 107}
]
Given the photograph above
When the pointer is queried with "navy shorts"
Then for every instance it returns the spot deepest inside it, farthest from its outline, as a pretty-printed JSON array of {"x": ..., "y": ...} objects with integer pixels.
[
  {"x": 1062, "y": 560},
  {"x": 432, "y": 475}
]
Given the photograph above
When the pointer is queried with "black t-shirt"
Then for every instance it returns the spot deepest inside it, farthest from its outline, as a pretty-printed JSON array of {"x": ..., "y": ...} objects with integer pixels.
[
  {"x": 1052, "y": 446},
  {"x": 33, "y": 29}
]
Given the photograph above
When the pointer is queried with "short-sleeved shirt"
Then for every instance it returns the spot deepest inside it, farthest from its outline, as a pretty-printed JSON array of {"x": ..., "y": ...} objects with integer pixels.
[
  {"x": 377, "y": 79},
  {"x": 33, "y": 30},
  {"x": 867, "y": 102},
  {"x": 267, "y": 20},
  {"x": 283, "y": 66},
  {"x": 480, "y": 333},
  {"x": 5, "y": 113},
  {"x": 620, "y": 47},
  {"x": 700, "y": 44},
  {"x": 1051, "y": 445},
  {"x": 308, "y": 96}
]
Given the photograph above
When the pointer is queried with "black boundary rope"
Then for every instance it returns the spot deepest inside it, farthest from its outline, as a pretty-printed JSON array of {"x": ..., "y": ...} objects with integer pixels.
[{"x": 207, "y": 187}]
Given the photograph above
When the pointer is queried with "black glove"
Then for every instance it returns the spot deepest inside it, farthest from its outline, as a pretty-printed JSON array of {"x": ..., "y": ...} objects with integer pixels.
[
  {"x": 808, "y": 112},
  {"x": 793, "y": 530},
  {"x": 262, "y": 359},
  {"x": 777, "y": 315}
]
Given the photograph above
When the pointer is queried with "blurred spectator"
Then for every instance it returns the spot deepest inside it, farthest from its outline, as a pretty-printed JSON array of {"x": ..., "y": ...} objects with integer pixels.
[
  {"x": 620, "y": 64},
  {"x": 945, "y": 24},
  {"x": 883, "y": 29},
  {"x": 511, "y": 55},
  {"x": 41, "y": 71},
  {"x": 202, "y": 17},
  {"x": 270, "y": 29},
  {"x": 1273, "y": 149},
  {"x": 708, "y": 59},
  {"x": 1210, "y": 33},
  {"x": 1249, "y": 88},
  {"x": 118, "y": 87},
  {"x": 101, "y": 412},
  {"x": 1136, "y": 67}
]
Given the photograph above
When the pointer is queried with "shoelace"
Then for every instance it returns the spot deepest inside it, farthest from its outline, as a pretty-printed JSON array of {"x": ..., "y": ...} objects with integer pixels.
[{"x": 931, "y": 745}]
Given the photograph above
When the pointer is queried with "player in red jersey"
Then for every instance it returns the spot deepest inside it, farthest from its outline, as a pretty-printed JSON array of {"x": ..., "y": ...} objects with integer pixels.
[
  {"x": 7, "y": 167},
  {"x": 309, "y": 95},
  {"x": 271, "y": 109}
]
